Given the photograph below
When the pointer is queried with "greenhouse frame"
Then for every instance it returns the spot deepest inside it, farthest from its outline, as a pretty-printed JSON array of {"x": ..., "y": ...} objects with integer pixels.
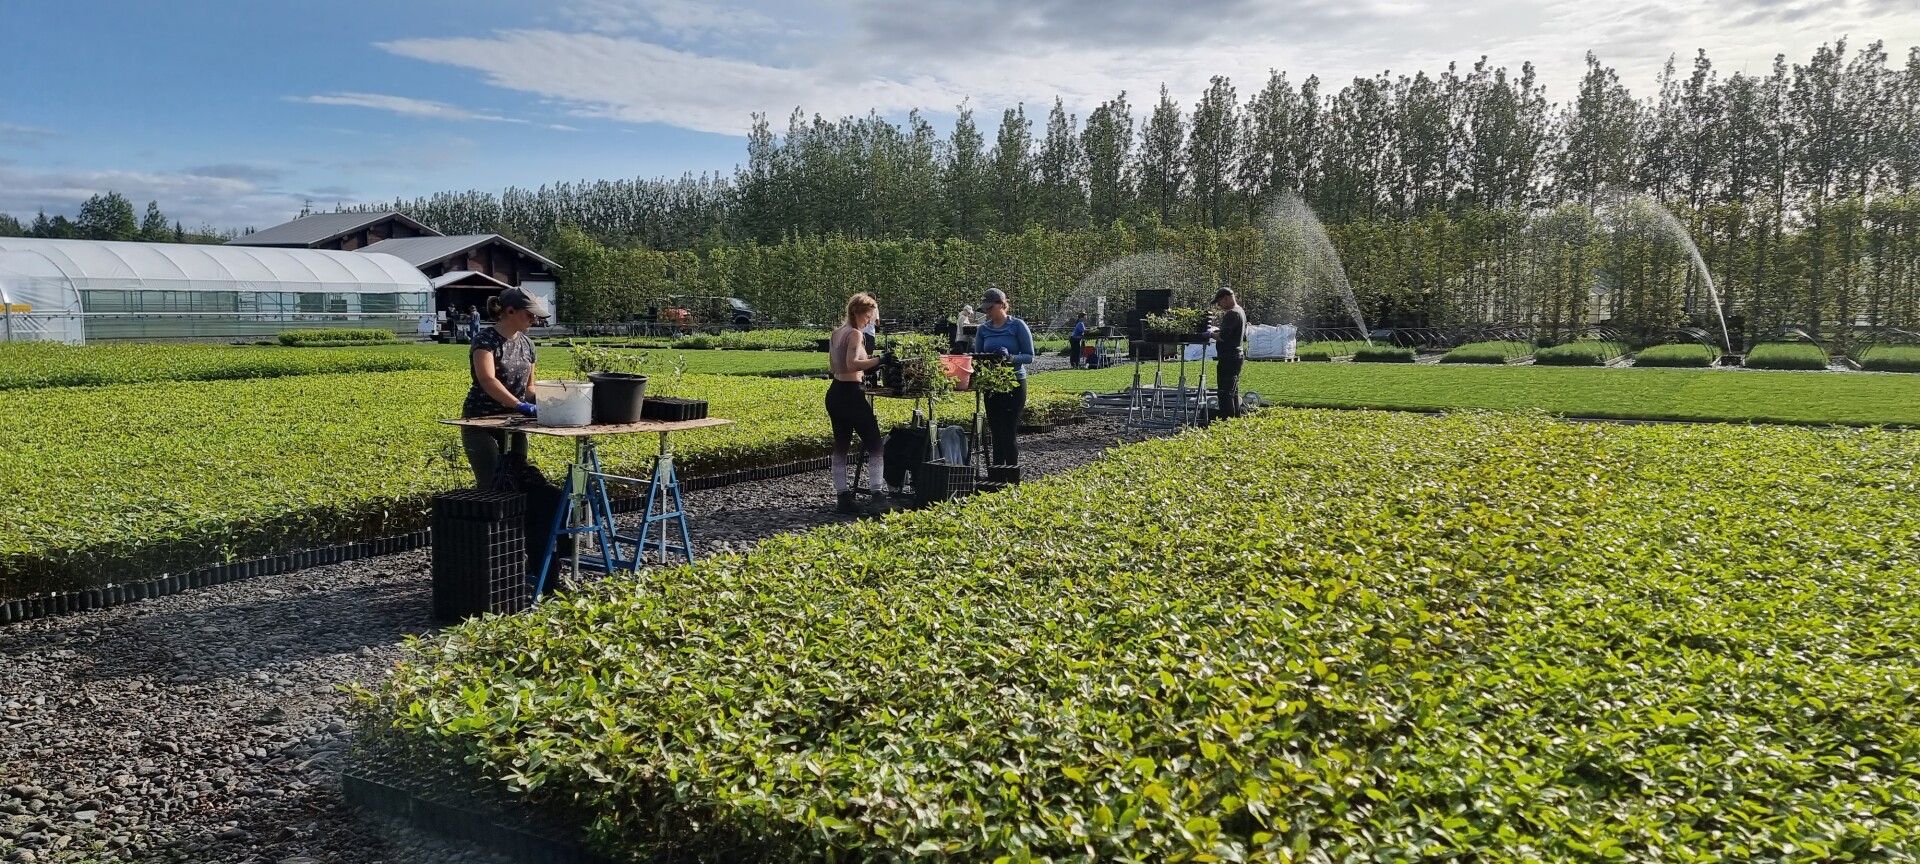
[{"x": 76, "y": 291}]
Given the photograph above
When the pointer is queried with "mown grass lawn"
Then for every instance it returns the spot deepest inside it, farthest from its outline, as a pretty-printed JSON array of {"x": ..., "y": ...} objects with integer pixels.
[{"x": 1650, "y": 394}]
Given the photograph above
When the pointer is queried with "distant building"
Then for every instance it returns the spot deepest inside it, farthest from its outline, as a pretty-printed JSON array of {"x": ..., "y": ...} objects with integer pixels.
[{"x": 465, "y": 269}]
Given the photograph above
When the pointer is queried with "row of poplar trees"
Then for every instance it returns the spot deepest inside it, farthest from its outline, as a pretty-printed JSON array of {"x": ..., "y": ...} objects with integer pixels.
[{"x": 1456, "y": 198}]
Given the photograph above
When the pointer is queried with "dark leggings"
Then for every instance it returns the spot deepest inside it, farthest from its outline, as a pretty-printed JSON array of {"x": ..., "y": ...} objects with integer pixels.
[
  {"x": 1003, "y": 422},
  {"x": 485, "y": 447},
  {"x": 848, "y": 409}
]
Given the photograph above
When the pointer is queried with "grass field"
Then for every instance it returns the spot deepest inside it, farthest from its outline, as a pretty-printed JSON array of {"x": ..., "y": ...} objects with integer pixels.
[{"x": 1651, "y": 394}]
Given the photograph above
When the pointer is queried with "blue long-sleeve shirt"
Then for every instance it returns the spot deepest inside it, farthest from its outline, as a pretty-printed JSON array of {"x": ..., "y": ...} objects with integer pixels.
[
  {"x": 1079, "y": 329},
  {"x": 1013, "y": 336}
]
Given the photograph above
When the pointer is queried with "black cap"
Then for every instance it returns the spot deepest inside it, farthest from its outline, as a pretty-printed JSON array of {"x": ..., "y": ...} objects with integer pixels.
[
  {"x": 518, "y": 298},
  {"x": 1223, "y": 292},
  {"x": 993, "y": 297}
]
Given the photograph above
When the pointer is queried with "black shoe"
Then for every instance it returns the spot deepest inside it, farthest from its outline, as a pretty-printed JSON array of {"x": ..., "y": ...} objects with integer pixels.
[{"x": 849, "y": 504}]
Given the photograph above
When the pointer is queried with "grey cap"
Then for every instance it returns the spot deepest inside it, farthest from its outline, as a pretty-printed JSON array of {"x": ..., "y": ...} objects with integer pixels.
[
  {"x": 993, "y": 297},
  {"x": 518, "y": 298},
  {"x": 1223, "y": 292}
]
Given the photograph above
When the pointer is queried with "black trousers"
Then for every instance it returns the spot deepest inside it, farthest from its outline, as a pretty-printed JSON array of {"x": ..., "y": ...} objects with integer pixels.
[
  {"x": 1230, "y": 384},
  {"x": 485, "y": 447},
  {"x": 1003, "y": 423},
  {"x": 847, "y": 408},
  {"x": 1076, "y": 351}
]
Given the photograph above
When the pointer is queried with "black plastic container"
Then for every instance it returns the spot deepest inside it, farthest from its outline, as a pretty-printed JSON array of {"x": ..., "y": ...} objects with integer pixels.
[
  {"x": 618, "y": 397},
  {"x": 671, "y": 409},
  {"x": 934, "y": 482}
]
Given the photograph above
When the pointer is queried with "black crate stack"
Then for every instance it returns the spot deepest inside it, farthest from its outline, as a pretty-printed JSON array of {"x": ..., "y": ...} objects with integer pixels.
[
  {"x": 479, "y": 554},
  {"x": 934, "y": 482}
]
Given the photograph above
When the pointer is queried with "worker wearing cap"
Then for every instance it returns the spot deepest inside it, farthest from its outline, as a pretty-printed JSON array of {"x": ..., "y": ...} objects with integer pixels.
[
  {"x": 501, "y": 367},
  {"x": 1232, "y": 335},
  {"x": 1008, "y": 337}
]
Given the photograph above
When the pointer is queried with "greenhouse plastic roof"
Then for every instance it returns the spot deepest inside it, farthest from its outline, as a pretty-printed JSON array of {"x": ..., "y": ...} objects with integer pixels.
[
  {"x": 99, "y": 264},
  {"x": 320, "y": 227}
]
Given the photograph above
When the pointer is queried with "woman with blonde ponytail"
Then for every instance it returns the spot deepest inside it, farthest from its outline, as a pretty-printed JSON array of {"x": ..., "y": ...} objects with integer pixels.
[{"x": 847, "y": 404}]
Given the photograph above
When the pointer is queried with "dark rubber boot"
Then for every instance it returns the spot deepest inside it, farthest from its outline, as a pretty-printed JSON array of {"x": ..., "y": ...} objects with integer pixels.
[{"x": 849, "y": 504}]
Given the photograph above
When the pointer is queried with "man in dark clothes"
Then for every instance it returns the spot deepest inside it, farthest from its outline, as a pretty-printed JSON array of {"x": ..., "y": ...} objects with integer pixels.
[
  {"x": 1233, "y": 334},
  {"x": 1076, "y": 344}
]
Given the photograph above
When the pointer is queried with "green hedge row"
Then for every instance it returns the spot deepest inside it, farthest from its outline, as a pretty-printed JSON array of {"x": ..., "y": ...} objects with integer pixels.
[
  {"x": 1590, "y": 353},
  {"x": 26, "y": 365},
  {"x": 1382, "y": 354},
  {"x": 1377, "y": 637},
  {"x": 1787, "y": 355},
  {"x": 1891, "y": 358},
  {"x": 1498, "y": 352},
  {"x": 334, "y": 337},
  {"x": 1683, "y": 355},
  {"x": 100, "y": 485},
  {"x": 1327, "y": 349}
]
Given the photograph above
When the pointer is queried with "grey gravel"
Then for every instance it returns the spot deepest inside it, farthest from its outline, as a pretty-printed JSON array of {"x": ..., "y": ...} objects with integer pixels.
[{"x": 211, "y": 726}]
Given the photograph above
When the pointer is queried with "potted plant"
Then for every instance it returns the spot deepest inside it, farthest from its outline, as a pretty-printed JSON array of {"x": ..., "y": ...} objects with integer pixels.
[
  {"x": 992, "y": 375},
  {"x": 619, "y": 388},
  {"x": 912, "y": 366},
  {"x": 1176, "y": 326},
  {"x": 669, "y": 405}
]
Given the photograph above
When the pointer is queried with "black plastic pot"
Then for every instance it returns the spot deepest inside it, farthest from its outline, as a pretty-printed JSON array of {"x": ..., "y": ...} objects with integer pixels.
[{"x": 618, "y": 397}]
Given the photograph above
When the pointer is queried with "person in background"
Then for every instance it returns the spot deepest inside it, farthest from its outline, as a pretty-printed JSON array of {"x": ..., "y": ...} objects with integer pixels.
[
  {"x": 847, "y": 407},
  {"x": 1232, "y": 335},
  {"x": 1008, "y": 337},
  {"x": 501, "y": 367},
  {"x": 1077, "y": 343},
  {"x": 473, "y": 321}
]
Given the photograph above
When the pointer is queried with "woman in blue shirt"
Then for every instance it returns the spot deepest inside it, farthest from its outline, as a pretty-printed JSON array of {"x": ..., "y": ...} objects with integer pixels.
[{"x": 1008, "y": 337}]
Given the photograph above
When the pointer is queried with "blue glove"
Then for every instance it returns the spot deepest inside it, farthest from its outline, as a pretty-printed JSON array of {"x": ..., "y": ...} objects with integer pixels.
[
  {"x": 528, "y": 408},
  {"x": 1004, "y": 352}
]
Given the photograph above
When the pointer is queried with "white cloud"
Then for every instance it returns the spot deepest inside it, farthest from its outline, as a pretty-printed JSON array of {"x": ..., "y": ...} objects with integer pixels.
[
  {"x": 643, "y": 82},
  {"x": 26, "y": 136},
  {"x": 402, "y": 105},
  {"x": 837, "y": 57},
  {"x": 190, "y": 198}
]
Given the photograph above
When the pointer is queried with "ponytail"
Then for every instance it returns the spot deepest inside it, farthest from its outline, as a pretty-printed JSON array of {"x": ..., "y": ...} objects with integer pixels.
[{"x": 494, "y": 309}]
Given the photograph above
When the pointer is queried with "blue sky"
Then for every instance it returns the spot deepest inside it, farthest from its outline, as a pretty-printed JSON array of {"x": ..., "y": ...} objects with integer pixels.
[{"x": 234, "y": 113}]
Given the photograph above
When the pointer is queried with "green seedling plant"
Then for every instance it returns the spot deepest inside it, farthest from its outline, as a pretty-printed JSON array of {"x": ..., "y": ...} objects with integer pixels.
[{"x": 1534, "y": 641}]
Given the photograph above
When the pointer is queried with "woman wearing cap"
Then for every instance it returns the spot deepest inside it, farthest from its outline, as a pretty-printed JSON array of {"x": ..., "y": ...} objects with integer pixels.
[
  {"x": 847, "y": 404},
  {"x": 1008, "y": 337},
  {"x": 501, "y": 366}
]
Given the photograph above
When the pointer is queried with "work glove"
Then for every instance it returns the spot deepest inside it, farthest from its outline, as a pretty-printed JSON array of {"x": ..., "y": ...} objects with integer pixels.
[
  {"x": 528, "y": 408},
  {"x": 1004, "y": 352}
]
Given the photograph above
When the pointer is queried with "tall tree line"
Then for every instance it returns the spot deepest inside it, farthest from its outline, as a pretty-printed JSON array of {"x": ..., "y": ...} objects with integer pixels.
[{"x": 1844, "y": 123}]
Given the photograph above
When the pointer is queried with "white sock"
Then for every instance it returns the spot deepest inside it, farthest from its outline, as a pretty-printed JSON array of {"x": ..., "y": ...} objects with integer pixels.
[
  {"x": 841, "y": 471},
  {"x": 875, "y": 465}
]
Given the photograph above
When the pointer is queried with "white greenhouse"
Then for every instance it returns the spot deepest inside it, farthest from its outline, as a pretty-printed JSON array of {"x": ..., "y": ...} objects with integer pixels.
[{"x": 78, "y": 290}]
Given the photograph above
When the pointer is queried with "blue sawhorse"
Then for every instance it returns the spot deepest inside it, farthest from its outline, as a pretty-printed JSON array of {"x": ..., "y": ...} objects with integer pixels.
[{"x": 587, "y": 511}]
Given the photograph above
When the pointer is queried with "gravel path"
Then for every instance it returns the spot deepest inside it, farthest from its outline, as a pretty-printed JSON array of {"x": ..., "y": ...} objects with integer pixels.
[{"x": 210, "y": 726}]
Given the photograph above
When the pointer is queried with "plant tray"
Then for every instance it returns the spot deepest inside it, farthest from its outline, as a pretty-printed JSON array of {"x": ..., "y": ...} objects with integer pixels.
[
  {"x": 671, "y": 409},
  {"x": 934, "y": 482}
]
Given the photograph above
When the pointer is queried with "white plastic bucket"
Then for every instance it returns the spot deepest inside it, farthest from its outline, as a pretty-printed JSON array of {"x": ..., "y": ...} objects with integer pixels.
[{"x": 564, "y": 403}]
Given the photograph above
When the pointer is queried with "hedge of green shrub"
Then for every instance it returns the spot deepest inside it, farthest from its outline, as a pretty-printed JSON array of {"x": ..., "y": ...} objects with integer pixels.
[
  {"x": 1588, "y": 353},
  {"x": 25, "y": 365},
  {"x": 1891, "y": 358},
  {"x": 1380, "y": 638},
  {"x": 1323, "y": 350},
  {"x": 1787, "y": 355},
  {"x": 1383, "y": 354},
  {"x": 101, "y": 484},
  {"x": 334, "y": 338},
  {"x": 1685, "y": 355},
  {"x": 1488, "y": 352}
]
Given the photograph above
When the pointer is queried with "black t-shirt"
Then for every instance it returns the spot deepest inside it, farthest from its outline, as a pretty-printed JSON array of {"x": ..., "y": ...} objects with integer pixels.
[
  {"x": 512, "y": 364},
  {"x": 1233, "y": 331}
]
